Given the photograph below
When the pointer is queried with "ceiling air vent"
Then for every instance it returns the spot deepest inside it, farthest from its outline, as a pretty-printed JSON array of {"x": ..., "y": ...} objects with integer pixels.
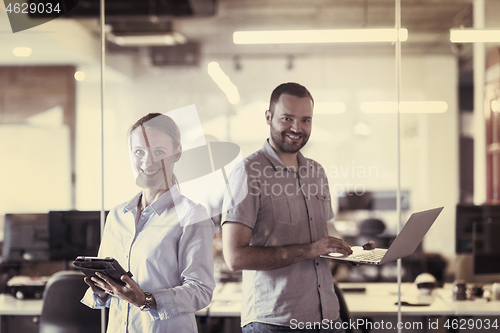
[{"x": 178, "y": 55}]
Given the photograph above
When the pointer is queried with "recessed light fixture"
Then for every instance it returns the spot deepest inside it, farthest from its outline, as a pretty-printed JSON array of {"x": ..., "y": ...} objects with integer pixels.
[
  {"x": 147, "y": 39},
  {"x": 79, "y": 76},
  {"x": 404, "y": 107},
  {"x": 319, "y": 36},
  {"x": 22, "y": 51},
  {"x": 224, "y": 82},
  {"x": 475, "y": 35}
]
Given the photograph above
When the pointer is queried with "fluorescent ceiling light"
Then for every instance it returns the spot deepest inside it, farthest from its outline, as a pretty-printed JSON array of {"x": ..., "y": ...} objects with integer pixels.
[
  {"x": 318, "y": 36},
  {"x": 474, "y": 35},
  {"x": 22, "y": 51},
  {"x": 149, "y": 39},
  {"x": 329, "y": 107},
  {"x": 404, "y": 107},
  {"x": 224, "y": 82}
]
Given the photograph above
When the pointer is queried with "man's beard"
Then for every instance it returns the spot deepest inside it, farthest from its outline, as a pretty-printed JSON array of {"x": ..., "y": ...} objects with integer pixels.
[{"x": 281, "y": 142}]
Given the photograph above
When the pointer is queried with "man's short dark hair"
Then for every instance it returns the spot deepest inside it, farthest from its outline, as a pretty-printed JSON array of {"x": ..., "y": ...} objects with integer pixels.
[{"x": 290, "y": 88}]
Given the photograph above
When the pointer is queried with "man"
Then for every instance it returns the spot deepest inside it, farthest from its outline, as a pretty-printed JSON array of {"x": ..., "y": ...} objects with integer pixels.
[{"x": 277, "y": 233}]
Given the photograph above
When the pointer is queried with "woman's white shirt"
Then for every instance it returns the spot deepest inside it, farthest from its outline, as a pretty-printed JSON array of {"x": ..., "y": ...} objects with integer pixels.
[{"x": 169, "y": 253}]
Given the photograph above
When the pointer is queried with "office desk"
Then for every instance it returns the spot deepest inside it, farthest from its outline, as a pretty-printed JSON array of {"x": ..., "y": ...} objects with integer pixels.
[
  {"x": 12, "y": 306},
  {"x": 478, "y": 307},
  {"x": 19, "y": 315},
  {"x": 379, "y": 299},
  {"x": 378, "y": 303}
]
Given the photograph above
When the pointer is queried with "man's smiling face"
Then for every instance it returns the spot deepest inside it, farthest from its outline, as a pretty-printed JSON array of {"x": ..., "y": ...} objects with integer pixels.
[{"x": 291, "y": 123}]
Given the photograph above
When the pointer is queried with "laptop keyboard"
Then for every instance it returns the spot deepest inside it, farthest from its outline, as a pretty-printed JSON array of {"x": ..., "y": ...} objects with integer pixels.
[{"x": 374, "y": 255}]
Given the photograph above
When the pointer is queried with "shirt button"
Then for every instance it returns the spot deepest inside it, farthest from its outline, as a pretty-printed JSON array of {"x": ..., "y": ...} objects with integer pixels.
[
  {"x": 319, "y": 286},
  {"x": 317, "y": 264}
]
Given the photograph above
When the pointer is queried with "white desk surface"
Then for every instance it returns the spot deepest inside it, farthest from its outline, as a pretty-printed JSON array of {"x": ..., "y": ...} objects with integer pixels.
[
  {"x": 9, "y": 305},
  {"x": 381, "y": 299},
  {"x": 378, "y": 299},
  {"x": 469, "y": 307}
]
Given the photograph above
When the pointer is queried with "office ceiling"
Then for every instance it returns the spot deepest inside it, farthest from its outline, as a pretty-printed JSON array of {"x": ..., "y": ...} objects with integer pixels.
[{"x": 428, "y": 22}]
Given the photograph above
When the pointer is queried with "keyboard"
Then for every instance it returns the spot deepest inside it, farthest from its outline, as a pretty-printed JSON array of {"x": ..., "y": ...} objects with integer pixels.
[{"x": 374, "y": 255}]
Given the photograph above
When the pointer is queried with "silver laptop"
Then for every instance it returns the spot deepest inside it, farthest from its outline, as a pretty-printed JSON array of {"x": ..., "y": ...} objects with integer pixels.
[{"x": 404, "y": 245}]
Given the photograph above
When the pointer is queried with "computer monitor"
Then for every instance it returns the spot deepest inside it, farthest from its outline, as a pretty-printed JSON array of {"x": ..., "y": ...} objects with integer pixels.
[
  {"x": 373, "y": 200},
  {"x": 466, "y": 216},
  {"x": 26, "y": 238},
  {"x": 486, "y": 236},
  {"x": 74, "y": 233}
]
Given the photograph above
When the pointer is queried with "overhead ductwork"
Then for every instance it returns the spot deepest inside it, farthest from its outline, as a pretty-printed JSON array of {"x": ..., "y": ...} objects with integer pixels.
[{"x": 139, "y": 9}]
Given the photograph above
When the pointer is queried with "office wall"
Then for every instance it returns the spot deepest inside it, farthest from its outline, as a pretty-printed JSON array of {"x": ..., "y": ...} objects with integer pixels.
[{"x": 35, "y": 168}]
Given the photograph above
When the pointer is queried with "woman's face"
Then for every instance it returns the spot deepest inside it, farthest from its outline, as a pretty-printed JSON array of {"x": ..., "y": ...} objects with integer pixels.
[{"x": 153, "y": 156}]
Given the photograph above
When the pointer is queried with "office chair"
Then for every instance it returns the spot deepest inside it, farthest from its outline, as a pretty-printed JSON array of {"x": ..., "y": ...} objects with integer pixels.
[
  {"x": 370, "y": 228},
  {"x": 62, "y": 311},
  {"x": 345, "y": 316}
]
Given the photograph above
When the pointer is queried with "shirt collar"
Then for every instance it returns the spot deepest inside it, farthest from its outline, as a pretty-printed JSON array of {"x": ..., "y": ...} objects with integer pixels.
[
  {"x": 276, "y": 161},
  {"x": 165, "y": 201}
]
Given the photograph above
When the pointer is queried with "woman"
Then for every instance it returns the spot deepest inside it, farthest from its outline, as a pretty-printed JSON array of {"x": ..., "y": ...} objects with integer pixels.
[{"x": 161, "y": 237}]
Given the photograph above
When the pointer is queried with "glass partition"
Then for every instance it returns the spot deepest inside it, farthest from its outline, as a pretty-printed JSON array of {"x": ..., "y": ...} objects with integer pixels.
[
  {"x": 47, "y": 79},
  {"x": 430, "y": 124},
  {"x": 50, "y": 109},
  {"x": 352, "y": 138}
]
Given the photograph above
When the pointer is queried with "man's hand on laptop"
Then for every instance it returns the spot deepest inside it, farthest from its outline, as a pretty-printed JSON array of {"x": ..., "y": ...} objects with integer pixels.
[
  {"x": 329, "y": 245},
  {"x": 369, "y": 245}
]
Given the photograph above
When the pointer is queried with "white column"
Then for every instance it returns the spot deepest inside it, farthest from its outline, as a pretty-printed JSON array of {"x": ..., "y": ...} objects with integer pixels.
[{"x": 479, "y": 64}]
